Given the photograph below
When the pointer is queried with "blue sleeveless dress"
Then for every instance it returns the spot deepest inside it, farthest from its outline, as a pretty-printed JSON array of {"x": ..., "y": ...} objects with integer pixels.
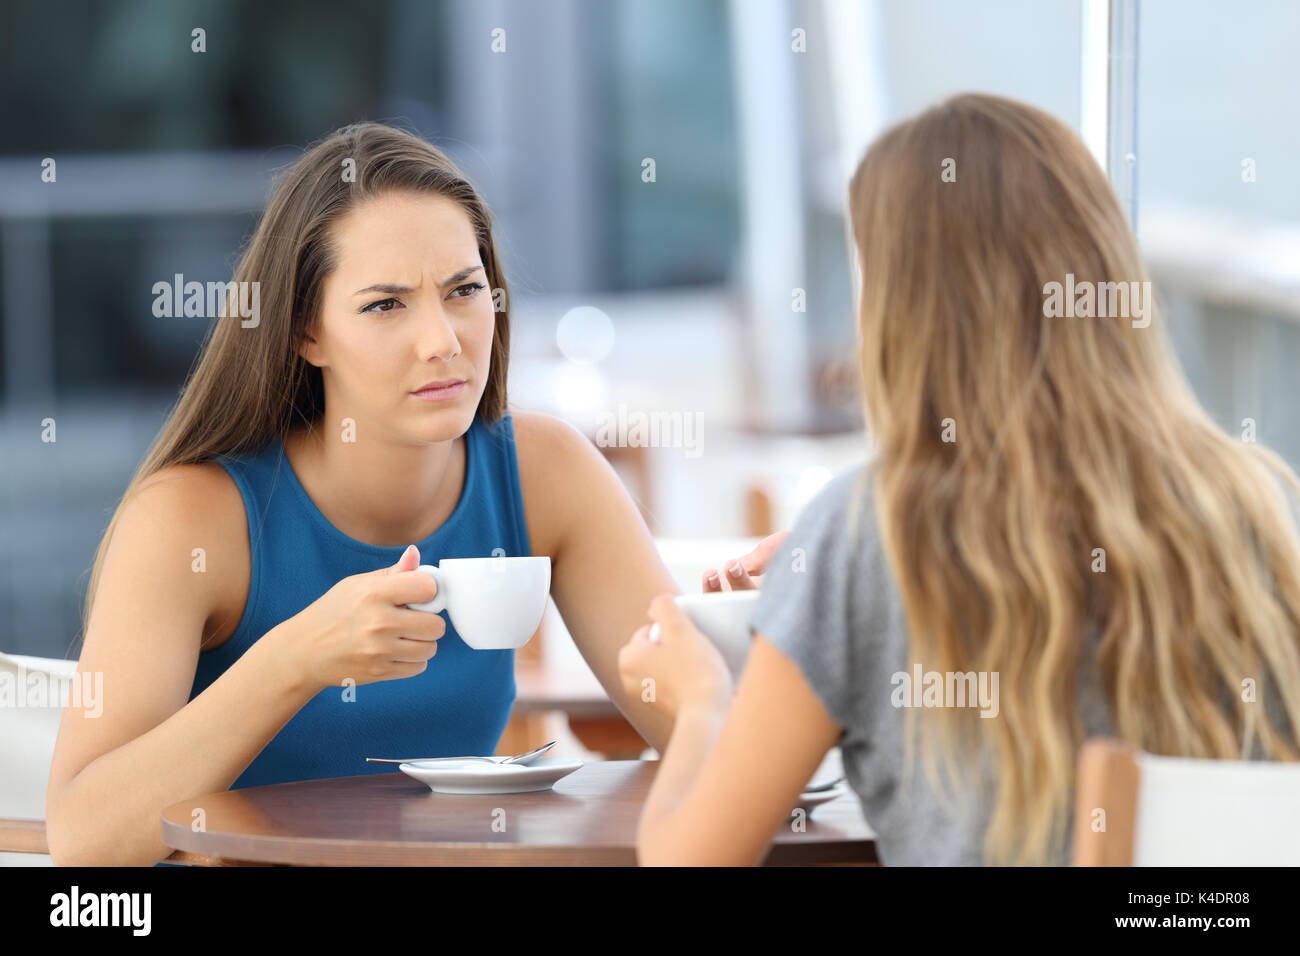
[{"x": 459, "y": 705}]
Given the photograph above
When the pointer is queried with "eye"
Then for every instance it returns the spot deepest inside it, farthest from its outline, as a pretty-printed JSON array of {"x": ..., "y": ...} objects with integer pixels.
[
  {"x": 474, "y": 287},
  {"x": 389, "y": 302}
]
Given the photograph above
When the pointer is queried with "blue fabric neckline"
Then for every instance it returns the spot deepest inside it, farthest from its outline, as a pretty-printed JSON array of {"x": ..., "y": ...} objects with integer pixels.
[{"x": 395, "y": 551}]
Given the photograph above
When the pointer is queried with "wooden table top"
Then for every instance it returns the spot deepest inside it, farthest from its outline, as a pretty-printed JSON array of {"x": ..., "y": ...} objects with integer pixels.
[{"x": 389, "y": 819}]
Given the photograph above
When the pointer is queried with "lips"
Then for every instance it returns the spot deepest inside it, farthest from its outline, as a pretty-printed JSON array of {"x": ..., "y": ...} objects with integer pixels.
[
  {"x": 445, "y": 383},
  {"x": 441, "y": 391}
]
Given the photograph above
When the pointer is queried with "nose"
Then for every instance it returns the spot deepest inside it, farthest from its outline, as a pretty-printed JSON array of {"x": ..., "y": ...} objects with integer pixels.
[{"x": 437, "y": 338}]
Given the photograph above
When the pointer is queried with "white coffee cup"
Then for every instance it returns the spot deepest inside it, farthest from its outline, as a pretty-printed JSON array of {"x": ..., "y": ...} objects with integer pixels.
[
  {"x": 723, "y": 618},
  {"x": 494, "y": 603}
]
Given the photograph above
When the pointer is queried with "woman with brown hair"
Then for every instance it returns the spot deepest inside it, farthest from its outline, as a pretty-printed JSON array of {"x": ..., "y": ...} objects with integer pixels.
[
  {"x": 255, "y": 575},
  {"x": 1046, "y": 509}
]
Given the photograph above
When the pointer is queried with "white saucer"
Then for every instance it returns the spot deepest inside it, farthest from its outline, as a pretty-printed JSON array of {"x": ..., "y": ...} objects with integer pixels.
[
  {"x": 479, "y": 776},
  {"x": 809, "y": 800}
]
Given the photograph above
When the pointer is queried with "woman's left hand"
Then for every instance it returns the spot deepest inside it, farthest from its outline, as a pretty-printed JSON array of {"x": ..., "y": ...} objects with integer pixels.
[
  {"x": 681, "y": 667},
  {"x": 745, "y": 573}
]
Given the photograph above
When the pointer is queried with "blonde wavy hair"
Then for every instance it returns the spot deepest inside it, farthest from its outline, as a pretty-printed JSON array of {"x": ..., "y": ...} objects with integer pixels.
[{"x": 1066, "y": 435}]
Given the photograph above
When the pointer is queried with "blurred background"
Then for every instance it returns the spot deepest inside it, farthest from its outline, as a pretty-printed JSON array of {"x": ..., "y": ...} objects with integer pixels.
[{"x": 754, "y": 113}]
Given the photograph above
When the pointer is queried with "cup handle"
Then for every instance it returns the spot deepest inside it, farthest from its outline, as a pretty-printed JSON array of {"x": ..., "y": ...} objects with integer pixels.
[{"x": 439, "y": 602}]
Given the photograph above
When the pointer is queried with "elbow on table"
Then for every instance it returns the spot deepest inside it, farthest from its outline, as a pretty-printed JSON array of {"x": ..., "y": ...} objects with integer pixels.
[
  {"x": 657, "y": 848},
  {"x": 68, "y": 845},
  {"x": 650, "y": 848},
  {"x": 61, "y": 845},
  {"x": 647, "y": 856},
  {"x": 66, "y": 850},
  {"x": 62, "y": 841}
]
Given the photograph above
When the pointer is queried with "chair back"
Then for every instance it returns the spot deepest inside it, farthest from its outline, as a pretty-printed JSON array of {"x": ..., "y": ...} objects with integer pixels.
[
  {"x": 33, "y": 691},
  {"x": 1139, "y": 809}
]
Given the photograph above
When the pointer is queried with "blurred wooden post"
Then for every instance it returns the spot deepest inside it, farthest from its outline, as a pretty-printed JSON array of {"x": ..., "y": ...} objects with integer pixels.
[
  {"x": 633, "y": 465},
  {"x": 758, "y": 512},
  {"x": 1107, "y": 781}
]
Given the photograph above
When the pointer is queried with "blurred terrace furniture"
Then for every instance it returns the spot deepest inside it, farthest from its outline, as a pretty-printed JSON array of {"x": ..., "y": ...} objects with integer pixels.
[
  {"x": 28, "y": 730},
  {"x": 1139, "y": 809},
  {"x": 591, "y": 716},
  {"x": 22, "y": 836},
  {"x": 28, "y": 733}
]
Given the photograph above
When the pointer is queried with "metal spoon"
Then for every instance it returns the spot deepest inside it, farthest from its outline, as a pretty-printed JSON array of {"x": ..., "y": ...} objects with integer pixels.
[
  {"x": 824, "y": 786},
  {"x": 518, "y": 758}
]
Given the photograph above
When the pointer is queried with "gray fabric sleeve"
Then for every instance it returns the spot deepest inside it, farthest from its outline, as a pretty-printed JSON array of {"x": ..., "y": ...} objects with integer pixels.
[{"x": 827, "y": 603}]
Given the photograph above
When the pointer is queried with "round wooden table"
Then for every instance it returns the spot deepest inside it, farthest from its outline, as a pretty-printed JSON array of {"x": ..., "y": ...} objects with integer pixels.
[{"x": 589, "y": 818}]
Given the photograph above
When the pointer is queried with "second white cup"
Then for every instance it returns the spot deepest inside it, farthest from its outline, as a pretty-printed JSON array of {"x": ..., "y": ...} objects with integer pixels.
[{"x": 724, "y": 619}]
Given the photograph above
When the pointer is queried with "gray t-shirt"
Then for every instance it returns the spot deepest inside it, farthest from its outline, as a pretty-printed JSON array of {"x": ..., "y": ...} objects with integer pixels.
[
  {"x": 833, "y": 607},
  {"x": 831, "y": 604}
]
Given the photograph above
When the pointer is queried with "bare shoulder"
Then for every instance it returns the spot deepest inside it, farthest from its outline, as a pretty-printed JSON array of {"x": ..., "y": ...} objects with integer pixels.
[
  {"x": 544, "y": 442},
  {"x": 190, "y": 483},
  {"x": 558, "y": 468},
  {"x": 197, "y": 510}
]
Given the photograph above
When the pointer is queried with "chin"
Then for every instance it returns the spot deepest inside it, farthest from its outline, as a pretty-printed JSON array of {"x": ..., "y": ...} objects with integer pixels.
[{"x": 445, "y": 423}]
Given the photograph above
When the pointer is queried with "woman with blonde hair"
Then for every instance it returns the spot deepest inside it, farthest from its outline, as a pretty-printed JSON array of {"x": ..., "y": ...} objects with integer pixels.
[{"x": 1046, "y": 508}]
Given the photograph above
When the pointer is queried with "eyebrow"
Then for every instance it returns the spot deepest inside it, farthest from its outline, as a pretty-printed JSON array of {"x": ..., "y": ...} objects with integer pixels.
[{"x": 392, "y": 289}]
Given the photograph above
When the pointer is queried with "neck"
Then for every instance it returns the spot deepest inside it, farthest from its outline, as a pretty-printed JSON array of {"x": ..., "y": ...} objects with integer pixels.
[{"x": 382, "y": 492}]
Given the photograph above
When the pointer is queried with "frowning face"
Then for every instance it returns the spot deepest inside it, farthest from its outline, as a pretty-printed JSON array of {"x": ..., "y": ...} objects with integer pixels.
[{"x": 408, "y": 304}]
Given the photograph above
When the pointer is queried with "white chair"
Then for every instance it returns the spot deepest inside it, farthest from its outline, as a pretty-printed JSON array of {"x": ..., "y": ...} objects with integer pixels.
[
  {"x": 33, "y": 692},
  {"x": 1174, "y": 811}
]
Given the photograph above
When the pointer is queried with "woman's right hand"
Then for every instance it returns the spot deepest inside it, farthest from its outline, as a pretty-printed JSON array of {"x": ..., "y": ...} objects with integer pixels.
[{"x": 360, "y": 628}]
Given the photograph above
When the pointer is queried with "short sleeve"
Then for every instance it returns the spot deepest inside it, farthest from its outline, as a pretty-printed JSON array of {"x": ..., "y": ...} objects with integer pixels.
[{"x": 828, "y": 603}]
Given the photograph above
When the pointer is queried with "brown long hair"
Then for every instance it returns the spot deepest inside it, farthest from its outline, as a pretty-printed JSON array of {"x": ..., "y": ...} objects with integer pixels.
[
  {"x": 251, "y": 384},
  {"x": 1039, "y": 476}
]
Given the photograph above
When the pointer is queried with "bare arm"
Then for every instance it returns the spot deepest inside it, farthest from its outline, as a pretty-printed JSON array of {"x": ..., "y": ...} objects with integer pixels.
[
  {"x": 112, "y": 775},
  {"x": 605, "y": 567},
  {"x": 709, "y": 773}
]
